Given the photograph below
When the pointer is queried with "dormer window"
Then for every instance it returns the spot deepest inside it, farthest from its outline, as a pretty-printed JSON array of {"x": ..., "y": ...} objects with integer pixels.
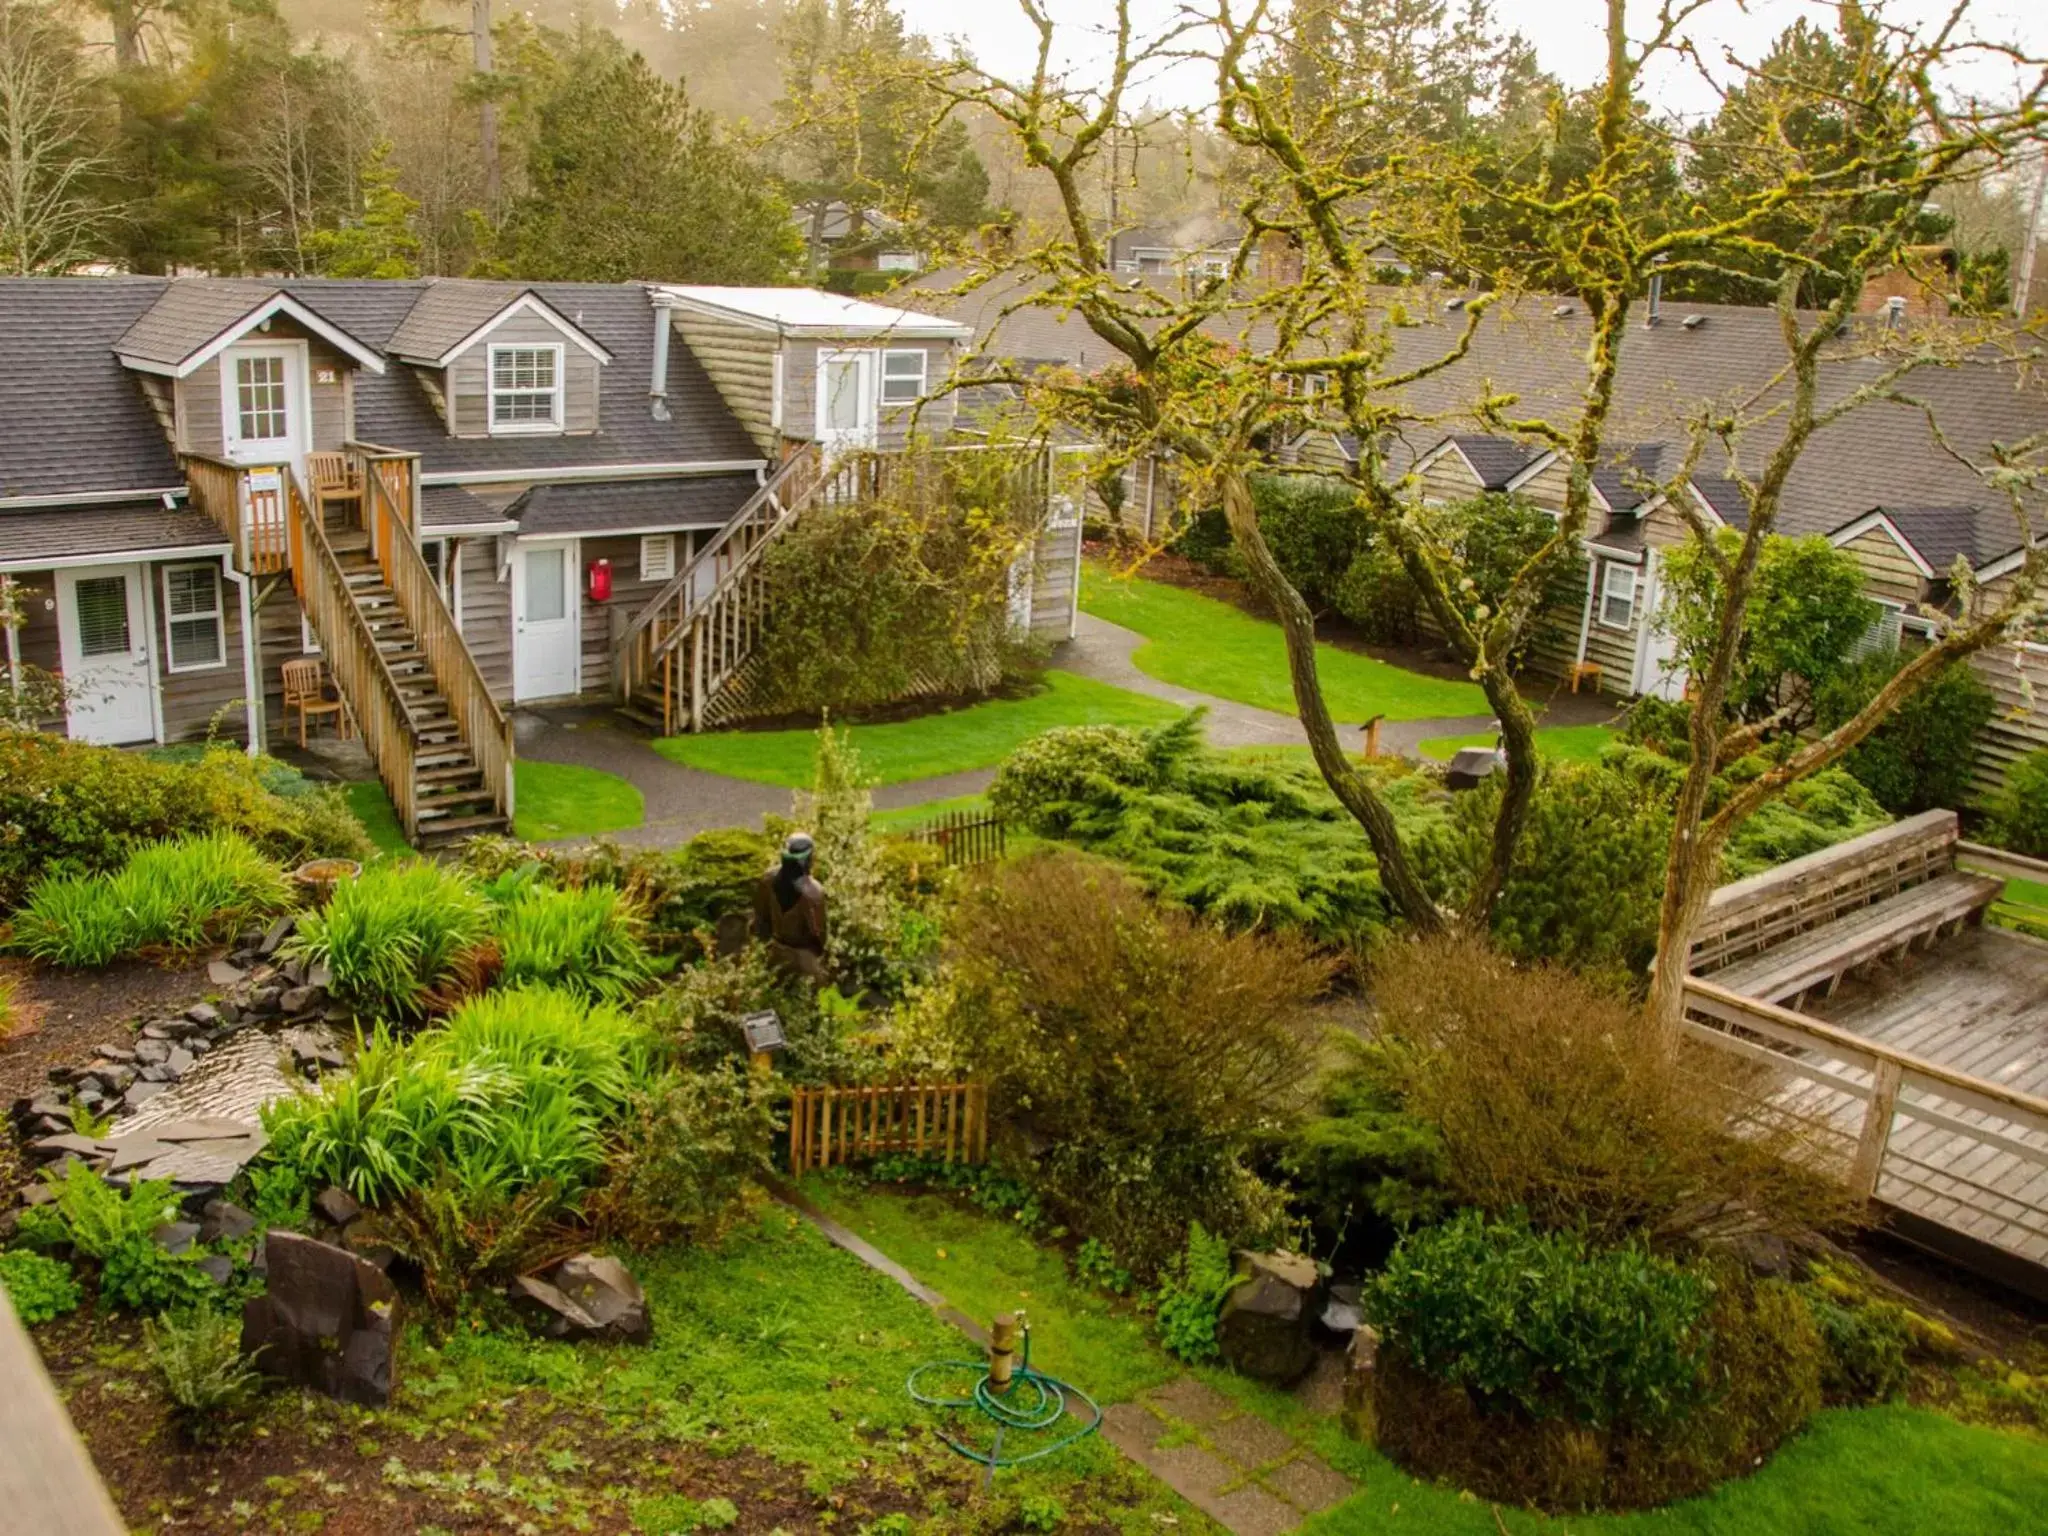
[{"x": 525, "y": 389}]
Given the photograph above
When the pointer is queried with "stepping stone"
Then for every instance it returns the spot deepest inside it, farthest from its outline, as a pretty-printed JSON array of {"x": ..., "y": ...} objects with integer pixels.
[
  {"x": 203, "y": 1128},
  {"x": 135, "y": 1152},
  {"x": 1250, "y": 1442},
  {"x": 224, "y": 973},
  {"x": 1192, "y": 1402},
  {"x": 1310, "y": 1484},
  {"x": 141, "y": 1093}
]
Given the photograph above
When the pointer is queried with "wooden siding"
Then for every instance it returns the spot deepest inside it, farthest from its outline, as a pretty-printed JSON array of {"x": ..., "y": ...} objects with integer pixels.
[
  {"x": 604, "y": 623},
  {"x": 37, "y": 639},
  {"x": 2012, "y": 672},
  {"x": 193, "y": 700},
  {"x": 893, "y": 427},
  {"x": 1450, "y": 479},
  {"x": 486, "y": 614},
  {"x": 741, "y": 363},
  {"x": 1888, "y": 571},
  {"x": 1664, "y": 527},
  {"x": 468, "y": 377},
  {"x": 1548, "y": 486},
  {"x": 197, "y": 407}
]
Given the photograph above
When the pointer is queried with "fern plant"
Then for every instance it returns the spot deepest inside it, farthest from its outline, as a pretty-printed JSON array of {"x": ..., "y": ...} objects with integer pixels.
[
  {"x": 198, "y": 1360},
  {"x": 1191, "y": 1293}
]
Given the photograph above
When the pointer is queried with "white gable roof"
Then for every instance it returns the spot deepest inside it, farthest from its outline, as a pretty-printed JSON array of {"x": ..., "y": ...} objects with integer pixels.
[{"x": 813, "y": 312}]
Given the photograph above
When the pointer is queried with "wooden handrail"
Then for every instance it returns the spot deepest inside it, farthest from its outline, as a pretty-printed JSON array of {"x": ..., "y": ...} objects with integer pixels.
[
  {"x": 1733, "y": 1007},
  {"x": 215, "y": 488},
  {"x": 484, "y": 726},
  {"x": 2002, "y": 863},
  {"x": 349, "y": 646}
]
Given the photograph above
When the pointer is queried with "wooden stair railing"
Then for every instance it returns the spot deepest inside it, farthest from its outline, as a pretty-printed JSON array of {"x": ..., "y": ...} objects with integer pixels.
[
  {"x": 388, "y": 480},
  {"x": 246, "y": 502},
  {"x": 349, "y": 646},
  {"x": 685, "y": 646}
]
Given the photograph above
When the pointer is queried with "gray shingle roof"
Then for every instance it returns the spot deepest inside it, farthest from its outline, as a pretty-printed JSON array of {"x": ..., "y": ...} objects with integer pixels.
[
  {"x": 188, "y": 315},
  {"x": 1881, "y": 452},
  {"x": 1939, "y": 534},
  {"x": 696, "y": 501},
  {"x": 444, "y": 313},
  {"x": 74, "y": 533},
  {"x": 72, "y": 419},
  {"x": 1496, "y": 460},
  {"x": 450, "y": 506}
]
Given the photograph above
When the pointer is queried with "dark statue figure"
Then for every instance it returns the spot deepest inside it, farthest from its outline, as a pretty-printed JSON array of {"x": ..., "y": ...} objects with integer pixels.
[{"x": 789, "y": 911}]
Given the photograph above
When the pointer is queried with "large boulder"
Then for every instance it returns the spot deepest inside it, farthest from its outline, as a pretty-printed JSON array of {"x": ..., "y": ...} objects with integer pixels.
[
  {"x": 586, "y": 1297},
  {"x": 328, "y": 1321},
  {"x": 1265, "y": 1329}
]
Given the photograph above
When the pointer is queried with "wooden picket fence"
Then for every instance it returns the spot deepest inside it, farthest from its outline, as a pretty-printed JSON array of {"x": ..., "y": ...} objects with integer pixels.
[
  {"x": 837, "y": 1125},
  {"x": 966, "y": 837}
]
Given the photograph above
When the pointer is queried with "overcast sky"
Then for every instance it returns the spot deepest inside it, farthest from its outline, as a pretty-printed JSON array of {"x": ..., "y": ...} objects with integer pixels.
[{"x": 1567, "y": 35}]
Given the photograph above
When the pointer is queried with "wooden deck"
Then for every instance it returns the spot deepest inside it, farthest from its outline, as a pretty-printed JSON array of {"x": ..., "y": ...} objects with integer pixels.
[{"x": 1977, "y": 1003}]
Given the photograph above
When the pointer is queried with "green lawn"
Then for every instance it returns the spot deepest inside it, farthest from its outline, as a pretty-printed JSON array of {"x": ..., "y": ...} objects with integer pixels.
[
  {"x": 976, "y": 736},
  {"x": 379, "y": 817},
  {"x": 2027, "y": 893},
  {"x": 906, "y": 817},
  {"x": 1199, "y": 642},
  {"x": 1566, "y": 743},
  {"x": 1880, "y": 1471},
  {"x": 562, "y": 800}
]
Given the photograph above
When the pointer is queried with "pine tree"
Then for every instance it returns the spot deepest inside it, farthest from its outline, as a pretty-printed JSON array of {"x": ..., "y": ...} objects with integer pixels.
[{"x": 382, "y": 243}]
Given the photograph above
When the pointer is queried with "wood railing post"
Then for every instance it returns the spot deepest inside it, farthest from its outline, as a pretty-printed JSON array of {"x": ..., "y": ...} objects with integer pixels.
[{"x": 1877, "y": 1129}]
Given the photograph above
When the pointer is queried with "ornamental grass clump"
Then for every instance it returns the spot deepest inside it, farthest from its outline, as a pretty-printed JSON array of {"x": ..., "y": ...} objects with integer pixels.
[
  {"x": 586, "y": 941},
  {"x": 512, "y": 1094},
  {"x": 396, "y": 940},
  {"x": 176, "y": 896}
]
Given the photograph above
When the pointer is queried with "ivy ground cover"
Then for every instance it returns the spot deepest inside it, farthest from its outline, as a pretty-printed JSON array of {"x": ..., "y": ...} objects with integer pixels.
[
  {"x": 896, "y": 751},
  {"x": 1897, "y": 1470},
  {"x": 1203, "y": 643}
]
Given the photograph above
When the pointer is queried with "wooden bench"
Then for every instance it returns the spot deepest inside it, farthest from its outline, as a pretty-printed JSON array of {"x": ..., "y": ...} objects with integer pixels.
[{"x": 1808, "y": 923}]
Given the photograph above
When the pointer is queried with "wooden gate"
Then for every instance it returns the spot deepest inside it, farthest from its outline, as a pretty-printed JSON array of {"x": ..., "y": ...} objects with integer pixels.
[{"x": 837, "y": 1125}]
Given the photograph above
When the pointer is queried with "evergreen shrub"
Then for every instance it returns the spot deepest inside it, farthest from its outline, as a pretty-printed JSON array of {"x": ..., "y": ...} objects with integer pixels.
[
  {"x": 1135, "y": 1051},
  {"x": 2019, "y": 811},
  {"x": 1921, "y": 757},
  {"x": 71, "y": 808}
]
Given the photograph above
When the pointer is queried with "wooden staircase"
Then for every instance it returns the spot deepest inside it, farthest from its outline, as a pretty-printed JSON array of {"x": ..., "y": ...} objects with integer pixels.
[
  {"x": 442, "y": 745},
  {"x": 451, "y": 799}
]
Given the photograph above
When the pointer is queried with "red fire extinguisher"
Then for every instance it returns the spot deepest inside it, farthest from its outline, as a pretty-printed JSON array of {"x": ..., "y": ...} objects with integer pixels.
[{"x": 600, "y": 581}]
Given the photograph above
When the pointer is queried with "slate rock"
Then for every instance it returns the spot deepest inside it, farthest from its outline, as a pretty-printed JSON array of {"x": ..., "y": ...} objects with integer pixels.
[
  {"x": 223, "y": 973},
  {"x": 217, "y": 1267},
  {"x": 337, "y": 1205},
  {"x": 152, "y": 1051},
  {"x": 116, "y": 1079},
  {"x": 327, "y": 1320},
  {"x": 1341, "y": 1312},
  {"x": 300, "y": 999},
  {"x": 46, "y": 1148},
  {"x": 180, "y": 1061},
  {"x": 1360, "y": 1361},
  {"x": 276, "y": 934},
  {"x": 586, "y": 1297},
  {"x": 230, "y": 1012},
  {"x": 141, "y": 1093},
  {"x": 320, "y": 974},
  {"x": 176, "y": 1236},
  {"x": 1264, "y": 1329},
  {"x": 224, "y": 1221},
  {"x": 163, "y": 1075},
  {"x": 114, "y": 1053},
  {"x": 205, "y": 1015},
  {"x": 205, "y": 1128},
  {"x": 49, "y": 1125}
]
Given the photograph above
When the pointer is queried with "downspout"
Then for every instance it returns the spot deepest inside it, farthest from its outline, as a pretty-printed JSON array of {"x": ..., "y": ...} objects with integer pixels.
[
  {"x": 1586, "y": 616},
  {"x": 13, "y": 642},
  {"x": 252, "y": 681}
]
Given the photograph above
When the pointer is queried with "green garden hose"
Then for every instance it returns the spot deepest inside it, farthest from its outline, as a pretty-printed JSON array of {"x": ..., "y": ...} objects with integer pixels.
[{"x": 1035, "y": 1404}]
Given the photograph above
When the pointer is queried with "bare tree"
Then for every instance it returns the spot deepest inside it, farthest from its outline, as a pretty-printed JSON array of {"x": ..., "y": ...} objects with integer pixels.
[{"x": 52, "y": 218}]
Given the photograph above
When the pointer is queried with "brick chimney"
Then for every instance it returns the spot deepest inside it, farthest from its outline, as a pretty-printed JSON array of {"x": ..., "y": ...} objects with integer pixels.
[{"x": 1925, "y": 278}]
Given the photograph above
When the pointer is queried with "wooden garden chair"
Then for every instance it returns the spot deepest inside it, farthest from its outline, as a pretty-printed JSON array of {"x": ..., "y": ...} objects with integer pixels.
[
  {"x": 333, "y": 479},
  {"x": 305, "y": 690}
]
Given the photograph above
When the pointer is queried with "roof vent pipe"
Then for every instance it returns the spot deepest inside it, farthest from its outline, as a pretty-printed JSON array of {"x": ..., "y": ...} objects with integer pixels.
[
  {"x": 1656, "y": 313},
  {"x": 1894, "y": 312},
  {"x": 657, "y": 383}
]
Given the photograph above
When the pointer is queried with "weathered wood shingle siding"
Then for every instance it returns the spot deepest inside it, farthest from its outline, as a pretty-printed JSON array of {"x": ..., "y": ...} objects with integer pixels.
[
  {"x": 192, "y": 701},
  {"x": 1888, "y": 571},
  {"x": 740, "y": 360},
  {"x": 1450, "y": 479},
  {"x": 200, "y": 404},
  {"x": 486, "y": 614},
  {"x": 894, "y": 426},
  {"x": 603, "y": 623},
  {"x": 2017, "y": 676},
  {"x": 468, "y": 377}
]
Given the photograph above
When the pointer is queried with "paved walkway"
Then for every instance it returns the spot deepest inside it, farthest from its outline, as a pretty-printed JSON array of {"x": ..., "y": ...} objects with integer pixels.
[
  {"x": 682, "y": 802},
  {"x": 1245, "y": 1473}
]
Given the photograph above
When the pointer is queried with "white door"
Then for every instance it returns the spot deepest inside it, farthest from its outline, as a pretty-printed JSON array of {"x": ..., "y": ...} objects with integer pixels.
[
  {"x": 264, "y": 404},
  {"x": 846, "y": 401},
  {"x": 545, "y": 621},
  {"x": 103, "y": 635},
  {"x": 1659, "y": 670}
]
